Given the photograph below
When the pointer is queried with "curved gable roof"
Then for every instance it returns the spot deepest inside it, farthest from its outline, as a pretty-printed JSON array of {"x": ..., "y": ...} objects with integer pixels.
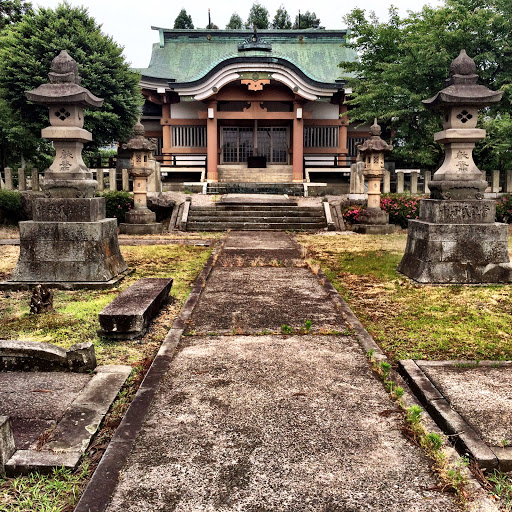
[{"x": 191, "y": 56}]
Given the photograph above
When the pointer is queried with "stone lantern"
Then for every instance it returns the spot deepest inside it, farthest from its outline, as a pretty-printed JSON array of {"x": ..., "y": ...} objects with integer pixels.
[
  {"x": 373, "y": 220},
  {"x": 68, "y": 175},
  {"x": 69, "y": 239},
  {"x": 141, "y": 220},
  {"x": 456, "y": 238}
]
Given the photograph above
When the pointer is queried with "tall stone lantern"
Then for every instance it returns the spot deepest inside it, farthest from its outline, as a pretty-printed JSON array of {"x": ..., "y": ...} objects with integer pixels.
[
  {"x": 455, "y": 239},
  {"x": 69, "y": 239},
  {"x": 374, "y": 220},
  {"x": 141, "y": 220}
]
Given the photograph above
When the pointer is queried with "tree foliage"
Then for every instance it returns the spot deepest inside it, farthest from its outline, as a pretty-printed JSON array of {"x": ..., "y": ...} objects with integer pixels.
[
  {"x": 405, "y": 60},
  {"x": 235, "y": 22},
  {"x": 306, "y": 20},
  {"x": 12, "y": 11},
  {"x": 183, "y": 20},
  {"x": 26, "y": 52},
  {"x": 258, "y": 17},
  {"x": 282, "y": 19}
]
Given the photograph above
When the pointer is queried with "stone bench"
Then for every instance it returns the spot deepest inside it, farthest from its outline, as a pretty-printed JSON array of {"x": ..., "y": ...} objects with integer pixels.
[
  {"x": 129, "y": 314},
  {"x": 17, "y": 355}
]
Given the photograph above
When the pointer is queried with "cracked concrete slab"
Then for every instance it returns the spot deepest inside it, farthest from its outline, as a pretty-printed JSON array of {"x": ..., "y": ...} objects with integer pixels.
[
  {"x": 268, "y": 423},
  {"x": 258, "y": 299}
]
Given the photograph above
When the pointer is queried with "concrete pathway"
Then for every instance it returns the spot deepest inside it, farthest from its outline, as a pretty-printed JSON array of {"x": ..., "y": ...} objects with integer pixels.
[{"x": 249, "y": 419}]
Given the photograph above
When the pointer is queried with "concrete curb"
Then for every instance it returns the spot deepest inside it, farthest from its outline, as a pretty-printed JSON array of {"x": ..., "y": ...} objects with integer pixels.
[
  {"x": 98, "y": 492},
  {"x": 466, "y": 439}
]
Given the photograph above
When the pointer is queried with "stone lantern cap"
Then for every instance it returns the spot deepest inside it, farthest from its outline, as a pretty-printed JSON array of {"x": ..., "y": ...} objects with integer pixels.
[
  {"x": 64, "y": 88},
  {"x": 374, "y": 143},
  {"x": 138, "y": 142},
  {"x": 462, "y": 87}
]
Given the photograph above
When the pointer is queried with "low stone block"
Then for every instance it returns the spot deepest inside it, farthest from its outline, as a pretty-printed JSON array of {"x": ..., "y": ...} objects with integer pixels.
[
  {"x": 18, "y": 355},
  {"x": 128, "y": 315},
  {"x": 141, "y": 229},
  {"x": 374, "y": 229},
  {"x": 7, "y": 447}
]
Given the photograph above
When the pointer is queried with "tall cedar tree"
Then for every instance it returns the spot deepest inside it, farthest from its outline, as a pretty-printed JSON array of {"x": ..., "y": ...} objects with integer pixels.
[
  {"x": 307, "y": 20},
  {"x": 258, "y": 17},
  {"x": 26, "y": 52},
  {"x": 183, "y": 20},
  {"x": 282, "y": 19},
  {"x": 235, "y": 22},
  {"x": 405, "y": 60}
]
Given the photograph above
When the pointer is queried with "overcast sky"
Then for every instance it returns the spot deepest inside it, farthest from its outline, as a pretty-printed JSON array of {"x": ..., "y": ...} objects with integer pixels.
[{"x": 130, "y": 22}]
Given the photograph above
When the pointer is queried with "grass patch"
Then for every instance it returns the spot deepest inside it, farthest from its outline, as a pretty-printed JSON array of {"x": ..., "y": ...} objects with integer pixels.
[
  {"x": 76, "y": 312},
  {"x": 411, "y": 321}
]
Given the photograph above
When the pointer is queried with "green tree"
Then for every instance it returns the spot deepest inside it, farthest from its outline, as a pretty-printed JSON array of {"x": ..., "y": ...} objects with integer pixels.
[
  {"x": 26, "y": 52},
  {"x": 12, "y": 11},
  {"x": 282, "y": 19},
  {"x": 258, "y": 17},
  {"x": 405, "y": 60},
  {"x": 307, "y": 20},
  {"x": 235, "y": 22},
  {"x": 183, "y": 20}
]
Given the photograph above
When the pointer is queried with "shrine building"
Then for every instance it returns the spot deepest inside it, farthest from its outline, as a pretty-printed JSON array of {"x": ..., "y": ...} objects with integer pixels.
[{"x": 241, "y": 105}]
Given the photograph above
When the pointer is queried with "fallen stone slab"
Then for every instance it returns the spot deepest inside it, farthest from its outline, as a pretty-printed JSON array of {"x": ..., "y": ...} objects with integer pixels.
[
  {"x": 74, "y": 426},
  {"x": 129, "y": 314},
  {"x": 19, "y": 355}
]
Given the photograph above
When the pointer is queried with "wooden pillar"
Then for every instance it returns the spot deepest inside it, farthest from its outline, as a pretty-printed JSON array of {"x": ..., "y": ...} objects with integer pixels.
[
  {"x": 212, "y": 142},
  {"x": 298, "y": 144},
  {"x": 166, "y": 134},
  {"x": 343, "y": 134}
]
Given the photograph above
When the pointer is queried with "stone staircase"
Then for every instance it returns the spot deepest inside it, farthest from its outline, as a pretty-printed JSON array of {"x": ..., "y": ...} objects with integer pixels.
[
  {"x": 262, "y": 216},
  {"x": 242, "y": 174}
]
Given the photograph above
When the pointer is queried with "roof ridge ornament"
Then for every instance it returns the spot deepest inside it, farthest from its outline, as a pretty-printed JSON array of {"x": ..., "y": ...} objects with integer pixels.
[{"x": 255, "y": 43}]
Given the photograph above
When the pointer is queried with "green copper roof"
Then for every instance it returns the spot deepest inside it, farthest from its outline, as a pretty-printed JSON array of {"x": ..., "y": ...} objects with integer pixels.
[{"x": 190, "y": 55}]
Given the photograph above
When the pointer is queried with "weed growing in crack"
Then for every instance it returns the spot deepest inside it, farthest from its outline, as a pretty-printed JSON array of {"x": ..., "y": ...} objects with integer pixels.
[
  {"x": 286, "y": 329},
  {"x": 414, "y": 414}
]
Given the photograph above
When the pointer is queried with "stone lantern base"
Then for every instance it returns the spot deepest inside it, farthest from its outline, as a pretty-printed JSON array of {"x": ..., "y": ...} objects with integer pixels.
[
  {"x": 373, "y": 221},
  {"x": 69, "y": 241},
  {"x": 457, "y": 242},
  {"x": 141, "y": 222}
]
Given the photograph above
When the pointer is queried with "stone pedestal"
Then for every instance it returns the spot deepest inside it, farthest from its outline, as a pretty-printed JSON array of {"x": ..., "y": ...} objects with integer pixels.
[
  {"x": 141, "y": 222},
  {"x": 457, "y": 242},
  {"x": 69, "y": 240},
  {"x": 373, "y": 221}
]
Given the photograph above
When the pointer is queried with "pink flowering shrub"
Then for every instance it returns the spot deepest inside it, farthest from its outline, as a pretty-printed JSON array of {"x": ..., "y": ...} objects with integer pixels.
[
  {"x": 504, "y": 209},
  {"x": 400, "y": 207},
  {"x": 351, "y": 214}
]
